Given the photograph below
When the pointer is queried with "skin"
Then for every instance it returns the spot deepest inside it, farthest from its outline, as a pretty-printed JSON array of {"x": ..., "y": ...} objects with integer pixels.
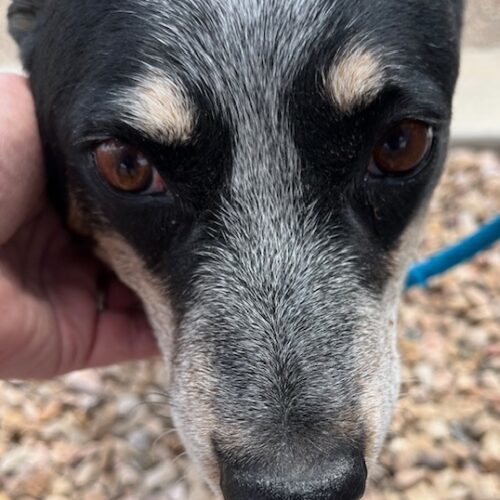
[{"x": 50, "y": 322}]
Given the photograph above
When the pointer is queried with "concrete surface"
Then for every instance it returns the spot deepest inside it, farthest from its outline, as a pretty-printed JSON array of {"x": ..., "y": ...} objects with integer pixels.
[
  {"x": 476, "y": 118},
  {"x": 477, "y": 104}
]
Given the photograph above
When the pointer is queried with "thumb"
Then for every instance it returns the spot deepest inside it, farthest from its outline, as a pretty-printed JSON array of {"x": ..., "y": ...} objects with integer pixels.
[{"x": 22, "y": 180}]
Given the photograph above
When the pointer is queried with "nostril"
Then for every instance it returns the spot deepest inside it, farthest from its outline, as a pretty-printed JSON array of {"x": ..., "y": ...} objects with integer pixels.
[{"x": 343, "y": 478}]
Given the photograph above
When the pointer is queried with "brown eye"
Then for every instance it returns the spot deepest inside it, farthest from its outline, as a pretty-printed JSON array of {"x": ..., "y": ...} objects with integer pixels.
[
  {"x": 402, "y": 148},
  {"x": 126, "y": 168}
]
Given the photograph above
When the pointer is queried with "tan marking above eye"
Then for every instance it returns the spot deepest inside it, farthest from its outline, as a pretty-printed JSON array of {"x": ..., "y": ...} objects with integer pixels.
[
  {"x": 354, "y": 78},
  {"x": 402, "y": 148},
  {"x": 159, "y": 107},
  {"x": 124, "y": 167}
]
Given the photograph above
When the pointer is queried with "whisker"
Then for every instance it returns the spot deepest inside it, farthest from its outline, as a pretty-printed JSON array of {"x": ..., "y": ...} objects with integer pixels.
[
  {"x": 134, "y": 408},
  {"x": 161, "y": 436},
  {"x": 179, "y": 457},
  {"x": 161, "y": 394}
]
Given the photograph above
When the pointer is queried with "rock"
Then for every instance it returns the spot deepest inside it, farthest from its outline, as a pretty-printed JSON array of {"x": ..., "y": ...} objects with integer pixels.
[
  {"x": 15, "y": 421},
  {"x": 86, "y": 381},
  {"x": 424, "y": 373},
  {"x": 419, "y": 492},
  {"x": 126, "y": 405},
  {"x": 489, "y": 454},
  {"x": 127, "y": 475},
  {"x": 405, "y": 479},
  {"x": 20, "y": 458},
  {"x": 177, "y": 492},
  {"x": 104, "y": 421},
  {"x": 480, "y": 426},
  {"x": 140, "y": 440},
  {"x": 86, "y": 474},
  {"x": 61, "y": 487},
  {"x": 64, "y": 452},
  {"x": 32, "y": 482},
  {"x": 488, "y": 486},
  {"x": 159, "y": 477},
  {"x": 457, "y": 452},
  {"x": 95, "y": 494},
  {"x": 490, "y": 380},
  {"x": 443, "y": 383},
  {"x": 438, "y": 429},
  {"x": 433, "y": 460},
  {"x": 51, "y": 411}
]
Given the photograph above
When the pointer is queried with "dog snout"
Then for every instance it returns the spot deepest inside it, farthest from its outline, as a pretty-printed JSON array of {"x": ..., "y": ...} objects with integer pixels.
[{"x": 342, "y": 477}]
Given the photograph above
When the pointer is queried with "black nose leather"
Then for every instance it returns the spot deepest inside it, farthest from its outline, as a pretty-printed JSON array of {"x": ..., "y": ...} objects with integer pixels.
[{"x": 342, "y": 478}]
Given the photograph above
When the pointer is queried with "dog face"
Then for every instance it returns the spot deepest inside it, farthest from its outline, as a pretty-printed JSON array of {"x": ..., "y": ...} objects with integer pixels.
[{"x": 257, "y": 171}]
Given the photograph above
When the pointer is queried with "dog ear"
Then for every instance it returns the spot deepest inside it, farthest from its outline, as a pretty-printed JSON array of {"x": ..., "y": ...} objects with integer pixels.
[
  {"x": 23, "y": 16},
  {"x": 458, "y": 7}
]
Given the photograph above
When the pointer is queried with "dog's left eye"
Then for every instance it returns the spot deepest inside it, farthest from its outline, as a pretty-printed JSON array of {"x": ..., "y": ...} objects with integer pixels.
[
  {"x": 402, "y": 149},
  {"x": 128, "y": 169}
]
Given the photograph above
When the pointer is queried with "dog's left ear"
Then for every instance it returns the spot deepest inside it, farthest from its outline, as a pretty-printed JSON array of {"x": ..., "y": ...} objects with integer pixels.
[
  {"x": 458, "y": 7},
  {"x": 23, "y": 16}
]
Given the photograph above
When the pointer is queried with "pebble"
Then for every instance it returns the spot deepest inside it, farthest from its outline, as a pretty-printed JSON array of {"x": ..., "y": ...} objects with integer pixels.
[
  {"x": 481, "y": 425},
  {"x": 438, "y": 429},
  {"x": 31, "y": 482},
  {"x": 127, "y": 475},
  {"x": 126, "y": 405},
  {"x": 50, "y": 411},
  {"x": 490, "y": 451},
  {"x": 95, "y": 494},
  {"x": 419, "y": 492},
  {"x": 490, "y": 380},
  {"x": 61, "y": 487},
  {"x": 86, "y": 474},
  {"x": 140, "y": 440},
  {"x": 424, "y": 374},
  {"x": 177, "y": 492},
  {"x": 433, "y": 460},
  {"x": 159, "y": 477},
  {"x": 19, "y": 458},
  {"x": 86, "y": 381}
]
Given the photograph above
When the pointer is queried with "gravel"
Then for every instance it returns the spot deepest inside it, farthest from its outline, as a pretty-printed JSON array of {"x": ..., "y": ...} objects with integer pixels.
[{"x": 106, "y": 434}]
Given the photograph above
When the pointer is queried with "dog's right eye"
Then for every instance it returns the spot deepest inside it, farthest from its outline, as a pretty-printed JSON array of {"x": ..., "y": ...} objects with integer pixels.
[{"x": 128, "y": 169}]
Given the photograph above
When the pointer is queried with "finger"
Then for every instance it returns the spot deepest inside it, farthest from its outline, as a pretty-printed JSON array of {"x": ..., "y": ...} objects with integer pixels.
[
  {"x": 21, "y": 170},
  {"x": 121, "y": 337}
]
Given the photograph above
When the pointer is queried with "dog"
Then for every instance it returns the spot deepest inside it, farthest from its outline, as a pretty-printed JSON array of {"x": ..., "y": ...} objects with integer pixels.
[{"x": 258, "y": 172}]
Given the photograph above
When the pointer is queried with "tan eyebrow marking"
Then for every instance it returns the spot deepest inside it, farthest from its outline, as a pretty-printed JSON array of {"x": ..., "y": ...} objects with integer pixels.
[
  {"x": 159, "y": 107},
  {"x": 354, "y": 78}
]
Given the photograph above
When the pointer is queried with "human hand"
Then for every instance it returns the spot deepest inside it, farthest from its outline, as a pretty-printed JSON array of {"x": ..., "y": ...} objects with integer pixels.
[{"x": 50, "y": 322}]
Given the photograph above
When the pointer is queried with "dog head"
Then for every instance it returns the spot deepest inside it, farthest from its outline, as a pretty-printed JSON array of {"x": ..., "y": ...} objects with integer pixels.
[{"x": 257, "y": 171}]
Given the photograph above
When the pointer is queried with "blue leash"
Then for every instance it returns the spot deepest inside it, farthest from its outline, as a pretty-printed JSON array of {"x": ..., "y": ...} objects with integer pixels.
[{"x": 453, "y": 255}]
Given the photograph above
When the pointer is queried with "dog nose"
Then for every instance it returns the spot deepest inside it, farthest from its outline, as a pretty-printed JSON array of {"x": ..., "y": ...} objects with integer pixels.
[{"x": 343, "y": 478}]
